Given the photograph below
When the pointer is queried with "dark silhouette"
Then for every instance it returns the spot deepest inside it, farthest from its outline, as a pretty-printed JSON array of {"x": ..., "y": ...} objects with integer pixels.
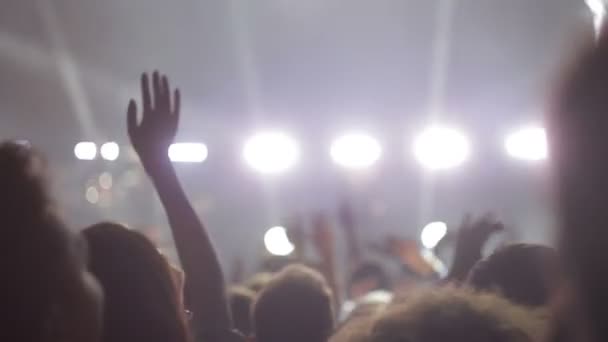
[
  {"x": 141, "y": 298},
  {"x": 296, "y": 305},
  {"x": 46, "y": 292},
  {"x": 241, "y": 300},
  {"x": 522, "y": 273},
  {"x": 449, "y": 314},
  {"x": 151, "y": 137}
]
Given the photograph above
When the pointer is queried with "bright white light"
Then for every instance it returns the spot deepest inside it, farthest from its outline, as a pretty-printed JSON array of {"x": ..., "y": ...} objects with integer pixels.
[
  {"x": 355, "y": 151},
  {"x": 527, "y": 144},
  {"x": 432, "y": 233},
  {"x": 271, "y": 152},
  {"x": 188, "y": 152},
  {"x": 85, "y": 150},
  {"x": 92, "y": 195},
  {"x": 598, "y": 8},
  {"x": 277, "y": 242},
  {"x": 441, "y": 148},
  {"x": 110, "y": 151}
]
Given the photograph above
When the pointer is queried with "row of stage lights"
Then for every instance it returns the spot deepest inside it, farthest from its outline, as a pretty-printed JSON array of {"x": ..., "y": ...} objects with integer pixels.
[
  {"x": 435, "y": 148},
  {"x": 274, "y": 152},
  {"x": 276, "y": 239}
]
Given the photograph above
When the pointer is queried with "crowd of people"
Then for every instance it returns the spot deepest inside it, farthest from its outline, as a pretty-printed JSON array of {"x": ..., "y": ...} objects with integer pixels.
[{"x": 110, "y": 283}]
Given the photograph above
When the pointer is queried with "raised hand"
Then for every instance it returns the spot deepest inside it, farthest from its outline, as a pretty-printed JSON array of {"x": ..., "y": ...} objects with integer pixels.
[
  {"x": 472, "y": 236},
  {"x": 204, "y": 288},
  {"x": 474, "y": 233},
  {"x": 152, "y": 136}
]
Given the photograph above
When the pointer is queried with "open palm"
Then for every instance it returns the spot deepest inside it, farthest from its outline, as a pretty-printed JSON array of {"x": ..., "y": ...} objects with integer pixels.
[{"x": 152, "y": 136}]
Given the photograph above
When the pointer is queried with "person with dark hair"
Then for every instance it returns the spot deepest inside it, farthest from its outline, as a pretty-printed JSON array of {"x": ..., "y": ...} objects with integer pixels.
[
  {"x": 452, "y": 314},
  {"x": 296, "y": 305},
  {"x": 142, "y": 301},
  {"x": 47, "y": 293},
  {"x": 151, "y": 137},
  {"x": 520, "y": 272},
  {"x": 241, "y": 300}
]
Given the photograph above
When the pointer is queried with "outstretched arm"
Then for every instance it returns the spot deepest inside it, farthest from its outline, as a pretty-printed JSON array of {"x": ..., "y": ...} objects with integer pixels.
[
  {"x": 324, "y": 242},
  {"x": 151, "y": 138}
]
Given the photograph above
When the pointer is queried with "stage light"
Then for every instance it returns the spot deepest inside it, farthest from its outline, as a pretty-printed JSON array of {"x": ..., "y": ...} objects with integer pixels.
[
  {"x": 188, "y": 152},
  {"x": 598, "y": 9},
  {"x": 271, "y": 152},
  {"x": 441, "y": 148},
  {"x": 110, "y": 151},
  {"x": 432, "y": 233},
  {"x": 277, "y": 242},
  {"x": 92, "y": 195},
  {"x": 106, "y": 181},
  {"x": 85, "y": 150},
  {"x": 527, "y": 144},
  {"x": 355, "y": 151}
]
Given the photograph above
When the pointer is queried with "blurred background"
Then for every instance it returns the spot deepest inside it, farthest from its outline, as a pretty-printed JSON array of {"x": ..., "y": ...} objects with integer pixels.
[{"x": 309, "y": 71}]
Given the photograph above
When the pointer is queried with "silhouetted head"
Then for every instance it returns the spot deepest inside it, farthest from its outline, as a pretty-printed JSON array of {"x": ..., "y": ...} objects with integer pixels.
[
  {"x": 296, "y": 305},
  {"x": 445, "y": 314},
  {"x": 520, "y": 272},
  {"x": 141, "y": 298},
  {"x": 367, "y": 277},
  {"x": 46, "y": 292}
]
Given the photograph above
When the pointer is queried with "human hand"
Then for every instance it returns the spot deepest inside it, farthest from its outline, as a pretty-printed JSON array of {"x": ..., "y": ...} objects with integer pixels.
[
  {"x": 152, "y": 136},
  {"x": 472, "y": 236},
  {"x": 475, "y": 232}
]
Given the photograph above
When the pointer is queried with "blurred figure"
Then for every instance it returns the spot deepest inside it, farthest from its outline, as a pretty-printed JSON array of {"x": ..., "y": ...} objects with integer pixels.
[
  {"x": 357, "y": 326},
  {"x": 241, "y": 300},
  {"x": 522, "y": 273},
  {"x": 258, "y": 281},
  {"x": 47, "y": 294},
  {"x": 296, "y": 305},
  {"x": 449, "y": 314},
  {"x": 142, "y": 302},
  {"x": 472, "y": 236},
  {"x": 368, "y": 277}
]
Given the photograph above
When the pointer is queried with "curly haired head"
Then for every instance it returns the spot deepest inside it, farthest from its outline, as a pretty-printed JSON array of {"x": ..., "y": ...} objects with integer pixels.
[
  {"x": 296, "y": 305},
  {"x": 519, "y": 272},
  {"x": 449, "y": 314}
]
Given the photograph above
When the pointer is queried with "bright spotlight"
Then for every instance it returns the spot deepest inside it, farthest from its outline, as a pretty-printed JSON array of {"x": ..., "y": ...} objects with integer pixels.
[
  {"x": 271, "y": 152},
  {"x": 441, "y": 148},
  {"x": 85, "y": 150},
  {"x": 277, "y": 242},
  {"x": 110, "y": 151},
  {"x": 432, "y": 233},
  {"x": 355, "y": 151},
  {"x": 527, "y": 144},
  {"x": 598, "y": 9},
  {"x": 188, "y": 152}
]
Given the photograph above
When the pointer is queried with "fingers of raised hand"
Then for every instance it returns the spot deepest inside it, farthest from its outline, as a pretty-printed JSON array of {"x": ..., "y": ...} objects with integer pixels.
[
  {"x": 132, "y": 117},
  {"x": 145, "y": 93},
  {"x": 176, "y": 102},
  {"x": 158, "y": 91}
]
